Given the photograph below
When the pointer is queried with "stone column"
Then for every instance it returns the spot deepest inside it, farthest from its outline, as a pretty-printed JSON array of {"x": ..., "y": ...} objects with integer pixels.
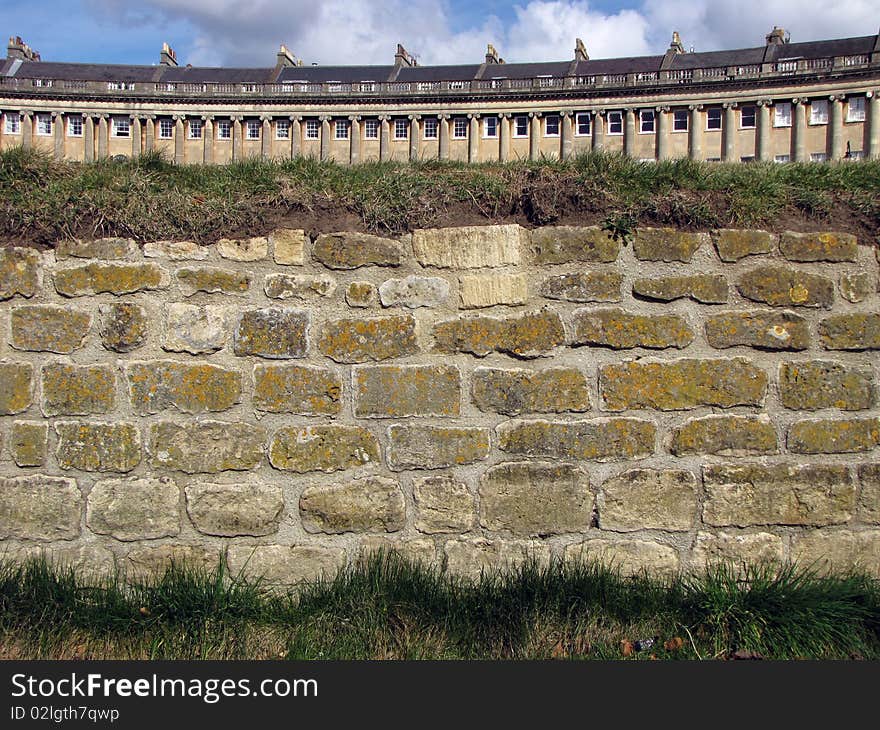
[
  {"x": 598, "y": 130},
  {"x": 237, "y": 141},
  {"x": 384, "y": 138},
  {"x": 266, "y": 137},
  {"x": 135, "y": 136},
  {"x": 534, "y": 135},
  {"x": 58, "y": 134},
  {"x": 295, "y": 136},
  {"x": 103, "y": 136},
  {"x": 443, "y": 146},
  {"x": 414, "y": 137},
  {"x": 354, "y": 140},
  {"x": 873, "y": 122},
  {"x": 89, "y": 139},
  {"x": 27, "y": 130},
  {"x": 728, "y": 151},
  {"x": 325, "y": 137},
  {"x": 629, "y": 134},
  {"x": 695, "y": 133},
  {"x": 208, "y": 139},
  {"x": 150, "y": 141},
  {"x": 503, "y": 137},
  {"x": 566, "y": 142},
  {"x": 799, "y": 130},
  {"x": 474, "y": 138},
  {"x": 835, "y": 124},
  {"x": 763, "y": 147},
  {"x": 179, "y": 156},
  {"x": 662, "y": 113}
]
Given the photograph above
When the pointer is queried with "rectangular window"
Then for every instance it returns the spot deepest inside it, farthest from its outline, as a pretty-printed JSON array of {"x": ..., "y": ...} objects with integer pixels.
[
  {"x": 340, "y": 129},
  {"x": 371, "y": 129},
  {"x": 490, "y": 127},
  {"x": 818, "y": 157},
  {"x": 313, "y": 127},
  {"x": 74, "y": 126},
  {"x": 551, "y": 126},
  {"x": 680, "y": 120},
  {"x": 615, "y": 122},
  {"x": 430, "y": 129},
  {"x": 282, "y": 129},
  {"x": 747, "y": 158},
  {"x": 459, "y": 128},
  {"x": 819, "y": 111},
  {"x": 224, "y": 129},
  {"x": 521, "y": 127},
  {"x": 747, "y": 117},
  {"x": 713, "y": 119},
  {"x": 166, "y": 128},
  {"x": 782, "y": 115},
  {"x": 253, "y": 128},
  {"x": 401, "y": 129},
  {"x": 782, "y": 158},
  {"x": 646, "y": 121},
  {"x": 44, "y": 125},
  {"x": 855, "y": 109},
  {"x": 195, "y": 129},
  {"x": 713, "y": 159},
  {"x": 121, "y": 127},
  {"x": 584, "y": 125},
  {"x": 13, "y": 123}
]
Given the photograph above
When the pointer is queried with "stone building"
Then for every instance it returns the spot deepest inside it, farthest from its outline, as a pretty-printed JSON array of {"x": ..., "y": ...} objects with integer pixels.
[{"x": 783, "y": 101}]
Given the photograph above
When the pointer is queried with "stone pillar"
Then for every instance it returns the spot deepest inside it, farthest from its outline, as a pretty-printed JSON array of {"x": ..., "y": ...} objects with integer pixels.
[
  {"x": 835, "y": 130},
  {"x": 27, "y": 130},
  {"x": 443, "y": 146},
  {"x": 566, "y": 142},
  {"x": 534, "y": 135},
  {"x": 58, "y": 134},
  {"x": 208, "y": 139},
  {"x": 728, "y": 151},
  {"x": 150, "y": 141},
  {"x": 103, "y": 136},
  {"x": 179, "y": 156},
  {"x": 763, "y": 147},
  {"x": 266, "y": 137},
  {"x": 295, "y": 136},
  {"x": 629, "y": 134},
  {"x": 237, "y": 141},
  {"x": 414, "y": 137},
  {"x": 503, "y": 137},
  {"x": 325, "y": 137},
  {"x": 354, "y": 140},
  {"x": 474, "y": 138},
  {"x": 384, "y": 138},
  {"x": 799, "y": 130},
  {"x": 695, "y": 133},
  {"x": 89, "y": 139},
  {"x": 873, "y": 122},
  {"x": 662, "y": 113},
  {"x": 598, "y": 130},
  {"x": 135, "y": 137}
]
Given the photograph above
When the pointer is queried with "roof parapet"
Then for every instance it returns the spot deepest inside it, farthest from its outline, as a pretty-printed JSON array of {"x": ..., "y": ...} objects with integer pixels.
[
  {"x": 17, "y": 48},
  {"x": 167, "y": 57},
  {"x": 580, "y": 51},
  {"x": 777, "y": 37},
  {"x": 402, "y": 58},
  {"x": 492, "y": 56},
  {"x": 285, "y": 59}
]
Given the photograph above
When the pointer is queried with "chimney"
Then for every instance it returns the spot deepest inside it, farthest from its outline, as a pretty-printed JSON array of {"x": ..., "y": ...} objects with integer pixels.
[
  {"x": 676, "y": 48},
  {"x": 492, "y": 56},
  {"x": 20, "y": 50},
  {"x": 285, "y": 58},
  {"x": 402, "y": 58},
  {"x": 777, "y": 37},
  {"x": 580, "y": 51},
  {"x": 167, "y": 57}
]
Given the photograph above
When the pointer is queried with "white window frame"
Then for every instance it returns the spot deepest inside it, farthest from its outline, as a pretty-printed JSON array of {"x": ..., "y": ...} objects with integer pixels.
[
  {"x": 855, "y": 109},
  {"x": 282, "y": 129},
  {"x": 120, "y": 128},
  {"x": 557, "y": 122},
  {"x": 341, "y": 129},
  {"x": 166, "y": 124},
  {"x": 74, "y": 126},
  {"x": 43, "y": 126},
  {"x": 252, "y": 130},
  {"x": 782, "y": 114},
  {"x": 401, "y": 129},
  {"x": 224, "y": 125},
  {"x": 818, "y": 157},
  {"x": 781, "y": 159},
  {"x": 313, "y": 129},
  {"x": 516, "y": 123},
  {"x": 618, "y": 121},
  {"x": 459, "y": 128},
  {"x": 430, "y": 129},
  {"x": 647, "y": 115},
  {"x": 493, "y": 123},
  {"x": 742, "y": 116},
  {"x": 714, "y": 114},
  {"x": 677, "y": 115},
  {"x": 371, "y": 129},
  {"x": 583, "y": 119},
  {"x": 12, "y": 123},
  {"x": 194, "y": 128},
  {"x": 818, "y": 111}
]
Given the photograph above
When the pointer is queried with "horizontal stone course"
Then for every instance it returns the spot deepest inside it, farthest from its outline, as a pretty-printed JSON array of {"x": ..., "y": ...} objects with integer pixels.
[
  {"x": 725, "y": 436},
  {"x": 212, "y": 280},
  {"x": 353, "y": 250},
  {"x": 702, "y": 288},
  {"x": 639, "y": 499},
  {"x": 834, "y": 436},
  {"x": 435, "y": 447},
  {"x": 110, "y": 278},
  {"x": 762, "y": 330},
  {"x": 374, "y": 504},
  {"x": 667, "y": 244},
  {"x": 326, "y": 448},
  {"x": 205, "y": 447},
  {"x": 306, "y": 390},
  {"x": 469, "y": 247},
  {"x": 234, "y": 510},
  {"x": 823, "y": 246},
  {"x": 860, "y": 331},
  {"x": 529, "y": 335},
  {"x": 49, "y": 328},
  {"x": 158, "y": 385},
  {"x": 567, "y": 244},
  {"x": 733, "y": 244},
  {"x": 786, "y": 287},
  {"x": 583, "y": 286},
  {"x": 603, "y": 439},
  {"x": 814, "y": 384},
  {"x": 108, "y": 249},
  {"x": 620, "y": 330},
  {"x": 515, "y": 391},
  {"x": 98, "y": 446},
  {"x": 401, "y": 391},
  {"x": 370, "y": 339}
]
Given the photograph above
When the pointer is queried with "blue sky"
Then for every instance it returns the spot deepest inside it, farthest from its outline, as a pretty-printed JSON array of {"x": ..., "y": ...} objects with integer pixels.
[{"x": 232, "y": 32}]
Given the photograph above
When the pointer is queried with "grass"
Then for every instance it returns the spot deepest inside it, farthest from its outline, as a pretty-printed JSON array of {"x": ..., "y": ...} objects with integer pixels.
[
  {"x": 150, "y": 199},
  {"x": 387, "y": 608}
]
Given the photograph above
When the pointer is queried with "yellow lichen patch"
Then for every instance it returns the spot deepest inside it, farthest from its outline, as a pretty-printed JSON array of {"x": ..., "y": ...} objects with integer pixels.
[
  {"x": 361, "y": 340},
  {"x": 71, "y": 390},
  {"x": 99, "y": 278},
  {"x": 157, "y": 385},
  {"x": 296, "y": 389}
]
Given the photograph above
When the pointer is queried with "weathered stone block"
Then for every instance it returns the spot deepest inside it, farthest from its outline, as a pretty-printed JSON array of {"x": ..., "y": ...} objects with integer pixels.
[
  {"x": 488, "y": 290},
  {"x": 856, "y": 287},
  {"x": 272, "y": 333},
  {"x": 232, "y": 510},
  {"x": 443, "y": 505},
  {"x": 419, "y": 550},
  {"x": 469, "y": 558},
  {"x": 781, "y": 286},
  {"x": 392, "y": 391},
  {"x": 435, "y": 447},
  {"x": 283, "y": 564},
  {"x": 529, "y": 335},
  {"x": 39, "y": 507},
  {"x": 353, "y": 250},
  {"x": 105, "y": 278},
  {"x": 150, "y": 563},
  {"x": 825, "y": 246},
  {"x": 566, "y": 244},
  {"x": 373, "y": 504},
  {"x": 108, "y": 249},
  {"x": 98, "y": 446},
  {"x": 851, "y": 332},
  {"x": 288, "y": 246},
  {"x": 47, "y": 328},
  {"x": 175, "y": 250},
  {"x": 779, "y": 494},
  {"x": 618, "y": 330},
  {"x": 298, "y": 286},
  {"x": 308, "y": 391},
  {"x": 583, "y": 286},
  {"x": 244, "y": 249},
  {"x": 511, "y": 392},
  {"x": 469, "y": 247},
  {"x": 703, "y": 288},
  {"x": 19, "y": 272},
  {"x": 86, "y": 559},
  {"x": 667, "y": 244},
  {"x": 375, "y": 338},
  {"x": 536, "y": 498},
  {"x": 603, "y": 439},
  {"x": 838, "y": 551},
  {"x": 361, "y": 294},
  {"x": 813, "y": 384},
  {"x": 123, "y": 326},
  {"x": 195, "y": 329},
  {"x": 639, "y": 499},
  {"x": 733, "y": 244},
  {"x": 27, "y": 443},
  {"x": 73, "y": 390},
  {"x": 675, "y": 385},
  {"x": 206, "y": 446},
  {"x": 725, "y": 436},
  {"x": 834, "y": 436},
  {"x": 414, "y": 292},
  {"x": 324, "y": 448},
  {"x": 737, "y": 549},
  {"x": 213, "y": 280},
  {"x": 869, "y": 493},
  {"x": 157, "y": 385},
  {"x": 134, "y": 509},
  {"x": 630, "y": 557},
  {"x": 761, "y": 330},
  {"x": 16, "y": 387}
]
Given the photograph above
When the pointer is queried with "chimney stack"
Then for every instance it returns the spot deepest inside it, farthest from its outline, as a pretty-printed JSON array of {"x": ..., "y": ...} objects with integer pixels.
[
  {"x": 167, "y": 57},
  {"x": 20, "y": 50},
  {"x": 580, "y": 50},
  {"x": 777, "y": 37},
  {"x": 285, "y": 58},
  {"x": 402, "y": 58},
  {"x": 676, "y": 46},
  {"x": 492, "y": 56}
]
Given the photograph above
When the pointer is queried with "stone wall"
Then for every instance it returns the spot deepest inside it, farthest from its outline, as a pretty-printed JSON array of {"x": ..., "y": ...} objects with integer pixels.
[{"x": 471, "y": 396}]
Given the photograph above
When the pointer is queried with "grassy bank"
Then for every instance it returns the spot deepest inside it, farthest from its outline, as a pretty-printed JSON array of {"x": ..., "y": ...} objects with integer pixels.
[
  {"x": 149, "y": 199},
  {"x": 389, "y": 609}
]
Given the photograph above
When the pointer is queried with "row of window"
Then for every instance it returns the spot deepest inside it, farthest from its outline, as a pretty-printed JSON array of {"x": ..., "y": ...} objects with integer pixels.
[{"x": 121, "y": 126}]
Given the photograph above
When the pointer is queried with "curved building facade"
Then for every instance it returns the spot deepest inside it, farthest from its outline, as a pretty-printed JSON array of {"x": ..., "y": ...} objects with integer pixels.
[{"x": 782, "y": 101}]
